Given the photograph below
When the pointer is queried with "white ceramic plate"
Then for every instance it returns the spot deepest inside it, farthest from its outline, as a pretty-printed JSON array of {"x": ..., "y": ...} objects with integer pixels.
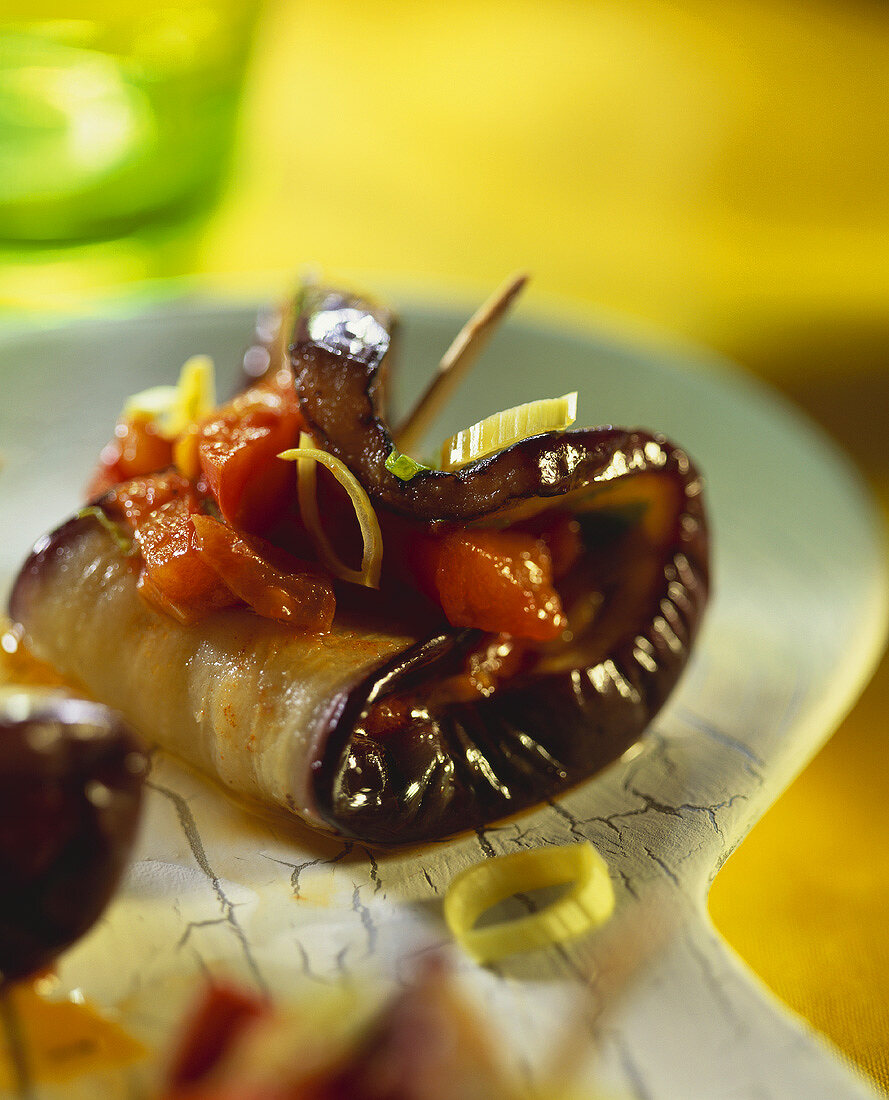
[{"x": 659, "y": 1007}]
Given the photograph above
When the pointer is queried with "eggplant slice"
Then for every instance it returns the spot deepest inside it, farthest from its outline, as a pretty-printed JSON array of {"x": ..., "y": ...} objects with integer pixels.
[
  {"x": 379, "y": 730},
  {"x": 425, "y": 746},
  {"x": 435, "y": 741},
  {"x": 237, "y": 696}
]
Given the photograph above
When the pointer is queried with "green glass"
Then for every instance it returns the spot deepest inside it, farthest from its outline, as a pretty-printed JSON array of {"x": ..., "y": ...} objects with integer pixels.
[{"x": 121, "y": 117}]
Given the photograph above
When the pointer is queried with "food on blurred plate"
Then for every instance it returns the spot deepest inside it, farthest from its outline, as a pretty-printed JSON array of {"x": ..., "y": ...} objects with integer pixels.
[
  {"x": 277, "y": 591},
  {"x": 426, "y": 1044},
  {"x": 71, "y": 777}
]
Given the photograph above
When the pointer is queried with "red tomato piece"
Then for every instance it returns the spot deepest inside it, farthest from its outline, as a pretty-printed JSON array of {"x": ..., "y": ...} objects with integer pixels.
[
  {"x": 142, "y": 449},
  {"x": 175, "y": 576},
  {"x": 223, "y": 1012},
  {"x": 238, "y": 450},
  {"x": 500, "y": 581},
  {"x": 274, "y": 583},
  {"x": 560, "y": 531},
  {"x": 137, "y": 498},
  {"x": 136, "y": 450}
]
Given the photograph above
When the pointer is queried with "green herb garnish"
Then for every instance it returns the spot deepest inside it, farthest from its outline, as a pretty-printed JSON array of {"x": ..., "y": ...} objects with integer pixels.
[{"x": 403, "y": 466}]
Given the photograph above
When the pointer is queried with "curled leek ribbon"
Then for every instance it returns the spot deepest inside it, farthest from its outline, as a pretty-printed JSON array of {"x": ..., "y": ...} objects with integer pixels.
[
  {"x": 587, "y": 902},
  {"x": 306, "y": 455}
]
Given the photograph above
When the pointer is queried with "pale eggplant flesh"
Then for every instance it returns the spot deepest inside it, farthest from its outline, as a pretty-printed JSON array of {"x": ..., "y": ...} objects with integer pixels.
[
  {"x": 382, "y": 730},
  {"x": 239, "y": 697}
]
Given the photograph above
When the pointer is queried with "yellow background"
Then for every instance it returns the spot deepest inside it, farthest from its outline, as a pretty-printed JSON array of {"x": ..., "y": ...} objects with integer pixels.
[{"x": 715, "y": 171}]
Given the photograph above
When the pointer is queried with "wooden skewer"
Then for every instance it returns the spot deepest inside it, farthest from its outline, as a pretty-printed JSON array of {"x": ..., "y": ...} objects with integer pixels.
[
  {"x": 275, "y": 330},
  {"x": 468, "y": 344}
]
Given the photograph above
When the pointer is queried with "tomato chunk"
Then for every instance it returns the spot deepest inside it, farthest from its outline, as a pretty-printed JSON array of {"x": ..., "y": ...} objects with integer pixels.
[
  {"x": 237, "y": 451},
  {"x": 500, "y": 581},
  {"x": 560, "y": 532},
  {"x": 175, "y": 575},
  {"x": 274, "y": 583},
  {"x": 134, "y": 500},
  {"x": 220, "y": 1016},
  {"x": 136, "y": 450}
]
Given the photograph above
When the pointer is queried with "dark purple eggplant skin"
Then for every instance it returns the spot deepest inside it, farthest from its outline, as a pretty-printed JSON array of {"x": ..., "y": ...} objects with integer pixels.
[
  {"x": 71, "y": 779},
  {"x": 422, "y": 748},
  {"x": 406, "y": 762},
  {"x": 408, "y": 759},
  {"x": 340, "y": 351}
]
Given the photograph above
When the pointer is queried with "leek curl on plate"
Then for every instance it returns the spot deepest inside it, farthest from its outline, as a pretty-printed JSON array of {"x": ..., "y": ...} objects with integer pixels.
[{"x": 586, "y": 902}]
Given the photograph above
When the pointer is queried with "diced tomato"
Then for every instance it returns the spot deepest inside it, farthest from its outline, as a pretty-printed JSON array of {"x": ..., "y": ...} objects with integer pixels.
[
  {"x": 176, "y": 576},
  {"x": 274, "y": 583},
  {"x": 237, "y": 451},
  {"x": 135, "y": 499},
  {"x": 500, "y": 581},
  {"x": 137, "y": 449},
  {"x": 561, "y": 533},
  {"x": 220, "y": 1016},
  {"x": 142, "y": 449}
]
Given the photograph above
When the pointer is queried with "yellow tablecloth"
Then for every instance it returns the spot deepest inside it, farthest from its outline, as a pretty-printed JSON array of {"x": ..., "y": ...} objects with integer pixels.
[{"x": 717, "y": 171}]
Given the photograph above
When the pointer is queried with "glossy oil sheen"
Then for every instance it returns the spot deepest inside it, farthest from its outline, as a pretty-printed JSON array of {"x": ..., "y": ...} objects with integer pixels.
[{"x": 414, "y": 752}]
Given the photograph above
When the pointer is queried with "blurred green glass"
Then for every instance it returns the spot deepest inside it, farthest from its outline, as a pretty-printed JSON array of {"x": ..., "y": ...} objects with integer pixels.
[{"x": 115, "y": 119}]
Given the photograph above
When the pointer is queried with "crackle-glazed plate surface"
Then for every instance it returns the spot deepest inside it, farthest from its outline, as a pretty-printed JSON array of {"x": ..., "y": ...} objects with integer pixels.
[{"x": 654, "y": 1006}]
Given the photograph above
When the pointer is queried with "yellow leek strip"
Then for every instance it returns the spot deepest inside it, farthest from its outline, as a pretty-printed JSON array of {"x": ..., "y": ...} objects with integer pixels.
[
  {"x": 173, "y": 408},
  {"x": 305, "y": 456},
  {"x": 586, "y": 904},
  {"x": 186, "y": 453},
  {"x": 507, "y": 427}
]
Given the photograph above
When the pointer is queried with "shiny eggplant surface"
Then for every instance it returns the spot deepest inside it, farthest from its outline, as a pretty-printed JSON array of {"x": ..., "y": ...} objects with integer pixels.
[
  {"x": 70, "y": 786},
  {"x": 465, "y": 727},
  {"x": 236, "y": 695},
  {"x": 340, "y": 359},
  {"x": 395, "y": 728}
]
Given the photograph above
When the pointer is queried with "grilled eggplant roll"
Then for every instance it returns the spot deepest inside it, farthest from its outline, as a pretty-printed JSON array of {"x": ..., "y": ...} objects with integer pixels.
[{"x": 397, "y": 727}]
